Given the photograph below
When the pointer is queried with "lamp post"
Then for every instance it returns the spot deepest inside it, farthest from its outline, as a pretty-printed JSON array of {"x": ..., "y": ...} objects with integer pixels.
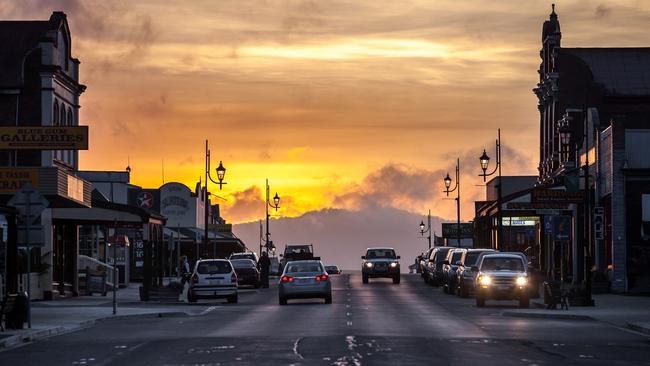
[
  {"x": 485, "y": 162},
  {"x": 456, "y": 188},
  {"x": 275, "y": 205},
  {"x": 566, "y": 136},
  {"x": 426, "y": 228},
  {"x": 221, "y": 173}
]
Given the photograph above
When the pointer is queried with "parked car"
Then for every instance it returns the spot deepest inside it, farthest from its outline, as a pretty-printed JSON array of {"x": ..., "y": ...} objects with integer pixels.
[
  {"x": 423, "y": 262},
  {"x": 380, "y": 262},
  {"x": 213, "y": 279},
  {"x": 434, "y": 265},
  {"x": 502, "y": 276},
  {"x": 465, "y": 275},
  {"x": 248, "y": 255},
  {"x": 304, "y": 279},
  {"x": 332, "y": 270},
  {"x": 449, "y": 267},
  {"x": 247, "y": 272},
  {"x": 274, "y": 269}
]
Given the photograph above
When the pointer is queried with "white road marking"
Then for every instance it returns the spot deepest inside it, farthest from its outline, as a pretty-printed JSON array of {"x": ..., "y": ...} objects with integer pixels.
[{"x": 295, "y": 348}]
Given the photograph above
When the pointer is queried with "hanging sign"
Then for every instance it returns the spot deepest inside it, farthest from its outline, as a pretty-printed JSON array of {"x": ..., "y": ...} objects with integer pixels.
[
  {"x": 44, "y": 138},
  {"x": 13, "y": 179}
]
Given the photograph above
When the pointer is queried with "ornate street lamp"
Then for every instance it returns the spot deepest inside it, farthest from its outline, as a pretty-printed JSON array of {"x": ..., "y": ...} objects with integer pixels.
[
  {"x": 456, "y": 188},
  {"x": 221, "y": 173},
  {"x": 275, "y": 205},
  {"x": 484, "y": 159},
  {"x": 565, "y": 134},
  {"x": 426, "y": 228}
]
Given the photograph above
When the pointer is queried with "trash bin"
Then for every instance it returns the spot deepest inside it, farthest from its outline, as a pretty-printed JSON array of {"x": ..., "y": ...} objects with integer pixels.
[{"x": 17, "y": 317}]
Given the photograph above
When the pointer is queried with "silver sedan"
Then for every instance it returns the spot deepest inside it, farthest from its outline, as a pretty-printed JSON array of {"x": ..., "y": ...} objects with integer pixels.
[{"x": 304, "y": 280}]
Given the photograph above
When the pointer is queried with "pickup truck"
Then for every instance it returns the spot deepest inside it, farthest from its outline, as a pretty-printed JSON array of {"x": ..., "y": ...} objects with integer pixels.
[{"x": 296, "y": 252}]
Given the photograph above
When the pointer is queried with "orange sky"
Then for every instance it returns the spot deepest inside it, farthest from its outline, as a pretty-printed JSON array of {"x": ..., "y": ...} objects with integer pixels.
[{"x": 338, "y": 103}]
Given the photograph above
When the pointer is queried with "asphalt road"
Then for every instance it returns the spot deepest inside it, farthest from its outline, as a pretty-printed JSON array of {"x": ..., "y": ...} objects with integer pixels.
[{"x": 375, "y": 324}]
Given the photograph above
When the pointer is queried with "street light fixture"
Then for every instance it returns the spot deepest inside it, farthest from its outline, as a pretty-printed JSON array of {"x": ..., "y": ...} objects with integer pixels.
[
  {"x": 485, "y": 162},
  {"x": 456, "y": 188},
  {"x": 426, "y": 228},
  {"x": 275, "y": 205},
  {"x": 221, "y": 173},
  {"x": 565, "y": 132}
]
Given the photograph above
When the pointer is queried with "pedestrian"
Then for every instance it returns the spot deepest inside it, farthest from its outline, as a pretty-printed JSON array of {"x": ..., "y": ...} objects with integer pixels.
[
  {"x": 264, "y": 264},
  {"x": 184, "y": 270}
]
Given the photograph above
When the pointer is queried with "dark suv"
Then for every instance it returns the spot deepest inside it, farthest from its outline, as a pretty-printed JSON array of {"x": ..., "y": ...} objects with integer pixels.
[
  {"x": 465, "y": 275},
  {"x": 434, "y": 266},
  {"x": 449, "y": 266},
  {"x": 380, "y": 262},
  {"x": 502, "y": 276}
]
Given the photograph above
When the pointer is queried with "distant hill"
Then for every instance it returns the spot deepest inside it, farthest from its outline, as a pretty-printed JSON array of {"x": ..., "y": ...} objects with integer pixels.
[{"x": 341, "y": 236}]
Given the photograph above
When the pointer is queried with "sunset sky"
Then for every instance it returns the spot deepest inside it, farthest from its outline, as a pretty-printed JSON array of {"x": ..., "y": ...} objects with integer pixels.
[{"x": 339, "y": 103}]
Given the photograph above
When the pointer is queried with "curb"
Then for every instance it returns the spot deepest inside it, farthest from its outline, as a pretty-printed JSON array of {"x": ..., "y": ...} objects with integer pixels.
[
  {"x": 15, "y": 340},
  {"x": 516, "y": 314},
  {"x": 638, "y": 328}
]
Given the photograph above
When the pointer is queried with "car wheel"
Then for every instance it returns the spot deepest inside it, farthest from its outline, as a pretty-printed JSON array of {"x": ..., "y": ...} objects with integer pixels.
[
  {"x": 364, "y": 278},
  {"x": 396, "y": 279},
  {"x": 283, "y": 301},
  {"x": 524, "y": 302},
  {"x": 462, "y": 292},
  {"x": 191, "y": 297},
  {"x": 480, "y": 301},
  {"x": 233, "y": 299},
  {"x": 426, "y": 279},
  {"x": 444, "y": 288},
  {"x": 328, "y": 299}
]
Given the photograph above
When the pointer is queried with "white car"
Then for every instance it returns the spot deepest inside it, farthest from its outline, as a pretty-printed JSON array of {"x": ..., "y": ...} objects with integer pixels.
[{"x": 213, "y": 279}]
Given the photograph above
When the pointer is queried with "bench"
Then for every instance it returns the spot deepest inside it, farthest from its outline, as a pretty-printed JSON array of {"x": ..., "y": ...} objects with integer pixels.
[{"x": 6, "y": 308}]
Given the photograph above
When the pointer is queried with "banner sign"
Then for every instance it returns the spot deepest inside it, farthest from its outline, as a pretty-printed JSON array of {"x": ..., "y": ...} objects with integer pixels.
[
  {"x": 13, "y": 179},
  {"x": 556, "y": 195},
  {"x": 44, "y": 138},
  {"x": 450, "y": 230}
]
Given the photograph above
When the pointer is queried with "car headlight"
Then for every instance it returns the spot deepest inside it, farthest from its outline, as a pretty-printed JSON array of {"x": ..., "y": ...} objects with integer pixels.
[
  {"x": 393, "y": 265},
  {"x": 485, "y": 280},
  {"x": 521, "y": 281},
  {"x": 369, "y": 264}
]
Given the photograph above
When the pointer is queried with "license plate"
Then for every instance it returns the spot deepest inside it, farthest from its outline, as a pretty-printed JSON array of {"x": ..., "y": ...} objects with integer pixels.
[{"x": 304, "y": 281}]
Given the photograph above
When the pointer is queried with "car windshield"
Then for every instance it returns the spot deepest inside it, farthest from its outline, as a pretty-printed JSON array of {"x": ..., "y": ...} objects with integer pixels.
[
  {"x": 242, "y": 263},
  {"x": 381, "y": 253},
  {"x": 214, "y": 267},
  {"x": 299, "y": 249},
  {"x": 304, "y": 267},
  {"x": 470, "y": 258},
  {"x": 502, "y": 264},
  {"x": 242, "y": 256}
]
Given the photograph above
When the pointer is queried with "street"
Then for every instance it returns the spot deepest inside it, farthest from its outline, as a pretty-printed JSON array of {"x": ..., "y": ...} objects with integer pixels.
[{"x": 374, "y": 324}]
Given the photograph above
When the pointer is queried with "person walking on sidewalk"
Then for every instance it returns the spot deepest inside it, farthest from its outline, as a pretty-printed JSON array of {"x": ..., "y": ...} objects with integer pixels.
[
  {"x": 184, "y": 270},
  {"x": 264, "y": 265}
]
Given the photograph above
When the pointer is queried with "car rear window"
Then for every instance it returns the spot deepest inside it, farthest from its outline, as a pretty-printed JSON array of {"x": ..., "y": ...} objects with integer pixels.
[
  {"x": 455, "y": 257},
  {"x": 381, "y": 253},
  {"x": 242, "y": 263},
  {"x": 502, "y": 264},
  {"x": 470, "y": 258},
  {"x": 441, "y": 255},
  {"x": 214, "y": 267},
  {"x": 242, "y": 256},
  {"x": 304, "y": 267}
]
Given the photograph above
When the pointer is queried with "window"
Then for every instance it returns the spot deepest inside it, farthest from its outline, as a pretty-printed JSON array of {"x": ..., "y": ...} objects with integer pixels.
[
  {"x": 304, "y": 267},
  {"x": 502, "y": 264},
  {"x": 381, "y": 253},
  {"x": 55, "y": 113},
  {"x": 62, "y": 121},
  {"x": 214, "y": 267},
  {"x": 70, "y": 121}
]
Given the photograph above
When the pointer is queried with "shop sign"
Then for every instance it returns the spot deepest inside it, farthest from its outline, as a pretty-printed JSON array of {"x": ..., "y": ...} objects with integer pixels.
[
  {"x": 520, "y": 221},
  {"x": 44, "y": 138},
  {"x": 562, "y": 227},
  {"x": 556, "y": 195},
  {"x": 450, "y": 230},
  {"x": 537, "y": 206},
  {"x": 13, "y": 179},
  {"x": 599, "y": 223},
  {"x": 220, "y": 228}
]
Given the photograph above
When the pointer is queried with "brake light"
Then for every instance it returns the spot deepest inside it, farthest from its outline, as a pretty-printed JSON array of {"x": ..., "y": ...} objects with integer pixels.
[
  {"x": 287, "y": 279},
  {"x": 321, "y": 278},
  {"x": 233, "y": 278}
]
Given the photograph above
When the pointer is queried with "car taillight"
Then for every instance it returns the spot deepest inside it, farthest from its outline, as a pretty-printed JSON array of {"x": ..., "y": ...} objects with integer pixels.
[
  {"x": 195, "y": 279},
  {"x": 321, "y": 278},
  {"x": 233, "y": 278},
  {"x": 287, "y": 279}
]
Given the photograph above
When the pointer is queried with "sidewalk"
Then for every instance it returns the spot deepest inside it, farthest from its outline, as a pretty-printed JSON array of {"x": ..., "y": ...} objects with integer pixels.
[
  {"x": 55, "y": 317},
  {"x": 631, "y": 312}
]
